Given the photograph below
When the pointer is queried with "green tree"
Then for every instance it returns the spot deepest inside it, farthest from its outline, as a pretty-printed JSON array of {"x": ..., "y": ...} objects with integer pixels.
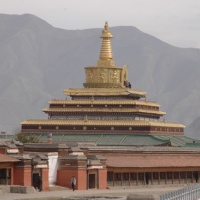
[{"x": 26, "y": 138}]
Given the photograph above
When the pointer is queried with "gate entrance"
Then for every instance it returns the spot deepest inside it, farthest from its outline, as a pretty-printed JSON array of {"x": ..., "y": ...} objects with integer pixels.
[
  {"x": 37, "y": 179},
  {"x": 5, "y": 176},
  {"x": 92, "y": 181}
]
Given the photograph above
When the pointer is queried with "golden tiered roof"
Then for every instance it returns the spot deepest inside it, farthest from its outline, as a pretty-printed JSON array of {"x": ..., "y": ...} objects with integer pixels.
[
  {"x": 103, "y": 92},
  {"x": 100, "y": 110},
  {"x": 104, "y": 102},
  {"x": 102, "y": 123}
]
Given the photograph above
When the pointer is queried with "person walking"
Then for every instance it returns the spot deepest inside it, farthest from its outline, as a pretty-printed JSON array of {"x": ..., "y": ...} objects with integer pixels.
[
  {"x": 73, "y": 182},
  {"x": 40, "y": 184}
]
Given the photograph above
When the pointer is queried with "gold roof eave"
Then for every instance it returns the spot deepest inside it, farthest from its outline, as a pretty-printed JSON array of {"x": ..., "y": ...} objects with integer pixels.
[
  {"x": 104, "y": 102},
  {"x": 102, "y": 123},
  {"x": 99, "y": 110},
  {"x": 103, "y": 92}
]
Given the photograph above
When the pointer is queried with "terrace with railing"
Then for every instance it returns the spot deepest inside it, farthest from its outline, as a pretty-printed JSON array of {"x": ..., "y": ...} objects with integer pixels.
[{"x": 188, "y": 193}]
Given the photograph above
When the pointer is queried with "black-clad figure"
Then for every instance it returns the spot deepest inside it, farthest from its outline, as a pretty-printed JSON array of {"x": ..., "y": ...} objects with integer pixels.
[
  {"x": 73, "y": 182},
  {"x": 40, "y": 184}
]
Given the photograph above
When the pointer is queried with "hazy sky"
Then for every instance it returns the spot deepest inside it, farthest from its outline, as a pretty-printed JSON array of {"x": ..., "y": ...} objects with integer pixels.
[{"x": 174, "y": 21}]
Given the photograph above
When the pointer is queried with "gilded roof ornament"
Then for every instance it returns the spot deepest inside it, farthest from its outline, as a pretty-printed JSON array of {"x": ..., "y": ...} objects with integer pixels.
[
  {"x": 106, "y": 32},
  {"x": 105, "y": 74},
  {"x": 106, "y": 26},
  {"x": 106, "y": 49}
]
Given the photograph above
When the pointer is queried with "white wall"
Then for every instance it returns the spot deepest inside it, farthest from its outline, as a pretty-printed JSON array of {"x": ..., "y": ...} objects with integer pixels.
[{"x": 53, "y": 167}]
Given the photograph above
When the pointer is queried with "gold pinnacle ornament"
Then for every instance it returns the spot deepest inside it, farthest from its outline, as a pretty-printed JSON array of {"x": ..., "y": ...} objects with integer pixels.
[
  {"x": 105, "y": 74},
  {"x": 106, "y": 49}
]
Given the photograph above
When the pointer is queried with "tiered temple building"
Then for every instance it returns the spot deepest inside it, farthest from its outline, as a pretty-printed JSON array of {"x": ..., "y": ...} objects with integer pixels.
[
  {"x": 106, "y": 105},
  {"x": 122, "y": 138}
]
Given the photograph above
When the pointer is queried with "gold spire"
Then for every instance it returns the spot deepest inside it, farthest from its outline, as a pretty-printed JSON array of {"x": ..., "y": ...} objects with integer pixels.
[
  {"x": 106, "y": 49},
  {"x": 105, "y": 74}
]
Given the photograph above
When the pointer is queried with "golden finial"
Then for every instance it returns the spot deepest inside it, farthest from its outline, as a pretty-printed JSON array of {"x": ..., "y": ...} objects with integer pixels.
[
  {"x": 106, "y": 26},
  {"x": 106, "y": 49},
  {"x": 105, "y": 74}
]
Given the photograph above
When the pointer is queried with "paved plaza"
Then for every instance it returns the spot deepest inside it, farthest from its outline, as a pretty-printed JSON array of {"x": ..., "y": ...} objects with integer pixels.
[{"x": 112, "y": 193}]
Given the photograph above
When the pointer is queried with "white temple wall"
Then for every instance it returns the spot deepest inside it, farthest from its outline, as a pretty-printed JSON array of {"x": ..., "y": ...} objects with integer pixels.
[{"x": 53, "y": 167}]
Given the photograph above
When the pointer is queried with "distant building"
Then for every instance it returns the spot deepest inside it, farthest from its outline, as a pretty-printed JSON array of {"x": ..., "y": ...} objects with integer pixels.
[{"x": 118, "y": 136}]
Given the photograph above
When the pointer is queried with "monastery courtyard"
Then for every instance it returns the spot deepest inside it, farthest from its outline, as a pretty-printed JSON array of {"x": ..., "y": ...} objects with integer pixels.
[{"x": 92, "y": 194}]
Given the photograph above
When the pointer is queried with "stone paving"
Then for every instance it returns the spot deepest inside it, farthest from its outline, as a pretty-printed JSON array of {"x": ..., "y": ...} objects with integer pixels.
[{"x": 92, "y": 194}]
